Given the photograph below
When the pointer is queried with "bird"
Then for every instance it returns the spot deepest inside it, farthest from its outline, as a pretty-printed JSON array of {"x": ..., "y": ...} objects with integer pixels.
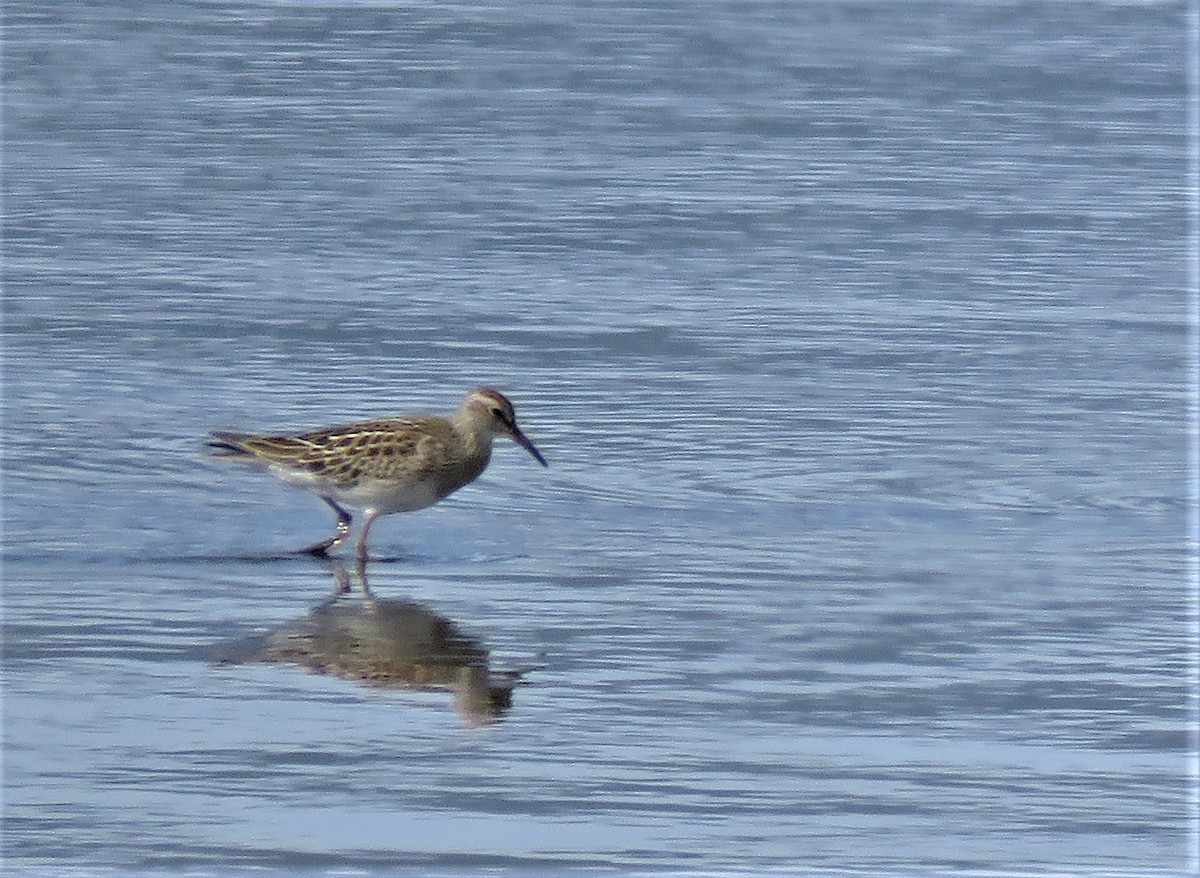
[{"x": 391, "y": 464}]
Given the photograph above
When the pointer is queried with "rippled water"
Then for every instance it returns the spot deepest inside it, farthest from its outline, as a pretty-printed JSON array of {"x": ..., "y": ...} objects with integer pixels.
[{"x": 856, "y": 334}]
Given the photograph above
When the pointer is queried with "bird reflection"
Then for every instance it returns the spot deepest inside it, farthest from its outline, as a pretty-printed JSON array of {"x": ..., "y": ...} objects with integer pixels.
[{"x": 384, "y": 642}]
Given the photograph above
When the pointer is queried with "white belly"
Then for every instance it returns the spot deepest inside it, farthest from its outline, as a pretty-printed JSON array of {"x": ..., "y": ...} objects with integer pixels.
[
  {"x": 387, "y": 497},
  {"x": 382, "y": 496}
]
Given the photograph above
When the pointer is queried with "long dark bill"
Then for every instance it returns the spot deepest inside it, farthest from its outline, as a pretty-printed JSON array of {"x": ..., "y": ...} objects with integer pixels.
[{"x": 524, "y": 442}]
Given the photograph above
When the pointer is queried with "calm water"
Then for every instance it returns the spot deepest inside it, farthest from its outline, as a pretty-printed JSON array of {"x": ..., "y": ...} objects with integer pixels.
[{"x": 857, "y": 336}]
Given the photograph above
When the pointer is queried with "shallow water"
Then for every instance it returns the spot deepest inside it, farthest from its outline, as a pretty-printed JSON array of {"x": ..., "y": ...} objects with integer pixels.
[{"x": 857, "y": 337}]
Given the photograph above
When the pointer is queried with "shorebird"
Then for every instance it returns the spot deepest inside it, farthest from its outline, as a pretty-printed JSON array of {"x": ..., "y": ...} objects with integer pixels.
[{"x": 381, "y": 466}]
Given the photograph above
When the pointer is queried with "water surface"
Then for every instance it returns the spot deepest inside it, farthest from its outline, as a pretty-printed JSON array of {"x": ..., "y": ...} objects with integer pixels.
[{"x": 856, "y": 334}]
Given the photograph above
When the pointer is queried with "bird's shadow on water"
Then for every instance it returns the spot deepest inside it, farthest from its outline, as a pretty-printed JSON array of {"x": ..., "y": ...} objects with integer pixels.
[
  {"x": 272, "y": 557},
  {"x": 303, "y": 557},
  {"x": 385, "y": 643}
]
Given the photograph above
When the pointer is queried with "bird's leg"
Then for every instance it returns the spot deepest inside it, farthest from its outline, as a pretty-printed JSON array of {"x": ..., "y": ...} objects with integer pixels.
[
  {"x": 341, "y": 580},
  {"x": 343, "y": 529},
  {"x": 361, "y": 546},
  {"x": 360, "y": 570}
]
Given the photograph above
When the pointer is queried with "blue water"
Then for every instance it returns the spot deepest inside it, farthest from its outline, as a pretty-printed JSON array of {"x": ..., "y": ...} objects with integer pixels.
[{"x": 859, "y": 336}]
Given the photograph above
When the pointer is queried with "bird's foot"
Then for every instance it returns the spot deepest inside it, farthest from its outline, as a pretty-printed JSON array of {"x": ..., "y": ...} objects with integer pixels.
[{"x": 321, "y": 549}]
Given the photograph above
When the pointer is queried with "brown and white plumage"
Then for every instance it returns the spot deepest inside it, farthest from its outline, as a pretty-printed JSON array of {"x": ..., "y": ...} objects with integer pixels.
[{"x": 385, "y": 465}]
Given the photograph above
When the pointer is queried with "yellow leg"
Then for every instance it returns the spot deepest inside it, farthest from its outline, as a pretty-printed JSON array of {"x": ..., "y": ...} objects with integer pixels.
[{"x": 361, "y": 546}]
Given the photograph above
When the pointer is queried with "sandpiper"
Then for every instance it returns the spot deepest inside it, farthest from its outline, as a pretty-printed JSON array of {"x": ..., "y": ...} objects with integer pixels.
[{"x": 392, "y": 464}]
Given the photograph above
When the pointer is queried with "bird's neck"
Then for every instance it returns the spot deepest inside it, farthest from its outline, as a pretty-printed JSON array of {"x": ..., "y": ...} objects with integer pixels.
[{"x": 476, "y": 434}]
